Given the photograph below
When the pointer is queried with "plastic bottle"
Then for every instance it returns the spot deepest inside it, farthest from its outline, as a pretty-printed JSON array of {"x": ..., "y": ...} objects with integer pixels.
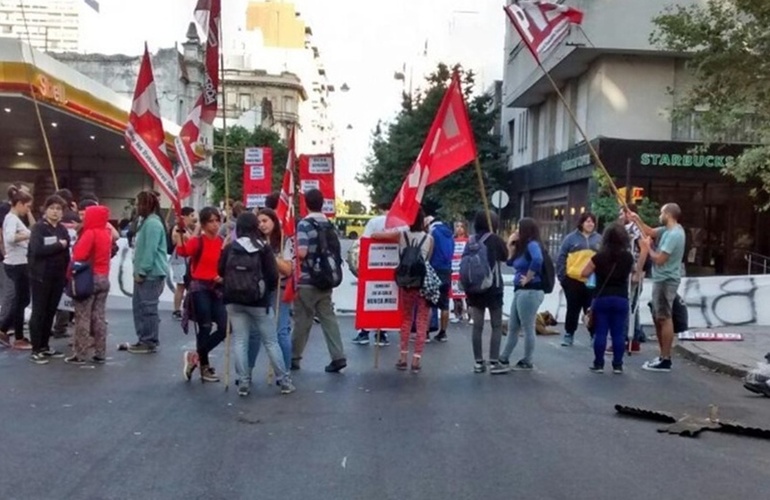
[{"x": 591, "y": 283}]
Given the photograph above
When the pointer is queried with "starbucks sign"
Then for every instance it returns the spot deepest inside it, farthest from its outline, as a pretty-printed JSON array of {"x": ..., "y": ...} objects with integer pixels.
[{"x": 686, "y": 160}]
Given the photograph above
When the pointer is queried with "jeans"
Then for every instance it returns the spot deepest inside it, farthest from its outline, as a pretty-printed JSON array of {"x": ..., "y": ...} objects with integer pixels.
[
  {"x": 283, "y": 329},
  {"x": 252, "y": 326},
  {"x": 496, "y": 321},
  {"x": 18, "y": 285},
  {"x": 578, "y": 299},
  {"x": 610, "y": 315},
  {"x": 312, "y": 302},
  {"x": 90, "y": 325},
  {"x": 208, "y": 309},
  {"x": 523, "y": 312},
  {"x": 46, "y": 295},
  {"x": 145, "y": 307}
]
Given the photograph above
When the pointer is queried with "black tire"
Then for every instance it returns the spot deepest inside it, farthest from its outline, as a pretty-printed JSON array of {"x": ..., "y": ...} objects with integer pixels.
[{"x": 353, "y": 235}]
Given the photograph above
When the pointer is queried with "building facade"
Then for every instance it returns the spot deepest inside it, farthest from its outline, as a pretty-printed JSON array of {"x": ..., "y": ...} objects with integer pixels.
[
  {"x": 621, "y": 90},
  {"x": 54, "y": 25}
]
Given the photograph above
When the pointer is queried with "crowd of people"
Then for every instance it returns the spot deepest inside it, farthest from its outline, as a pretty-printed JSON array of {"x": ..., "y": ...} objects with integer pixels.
[{"x": 230, "y": 278}]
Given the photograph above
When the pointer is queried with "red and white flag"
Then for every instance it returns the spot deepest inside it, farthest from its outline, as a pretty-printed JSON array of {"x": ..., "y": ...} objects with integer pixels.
[
  {"x": 448, "y": 147},
  {"x": 285, "y": 212},
  {"x": 541, "y": 24},
  {"x": 189, "y": 150},
  {"x": 144, "y": 133}
]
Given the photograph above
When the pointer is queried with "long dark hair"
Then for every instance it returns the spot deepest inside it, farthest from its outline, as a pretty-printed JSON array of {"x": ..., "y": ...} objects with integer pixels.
[
  {"x": 615, "y": 239},
  {"x": 419, "y": 222},
  {"x": 247, "y": 226},
  {"x": 274, "y": 238},
  {"x": 481, "y": 224},
  {"x": 528, "y": 232}
]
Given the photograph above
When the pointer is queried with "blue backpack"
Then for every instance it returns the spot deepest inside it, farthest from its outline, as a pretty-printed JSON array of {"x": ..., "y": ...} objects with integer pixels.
[{"x": 476, "y": 275}]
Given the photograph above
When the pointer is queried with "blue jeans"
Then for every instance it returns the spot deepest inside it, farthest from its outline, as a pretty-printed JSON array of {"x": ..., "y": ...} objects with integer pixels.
[
  {"x": 610, "y": 315},
  {"x": 209, "y": 309},
  {"x": 284, "y": 328},
  {"x": 252, "y": 326},
  {"x": 144, "y": 303},
  {"x": 523, "y": 312}
]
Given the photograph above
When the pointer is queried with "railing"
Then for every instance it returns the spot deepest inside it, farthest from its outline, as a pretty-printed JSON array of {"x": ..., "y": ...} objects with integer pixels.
[{"x": 757, "y": 261}]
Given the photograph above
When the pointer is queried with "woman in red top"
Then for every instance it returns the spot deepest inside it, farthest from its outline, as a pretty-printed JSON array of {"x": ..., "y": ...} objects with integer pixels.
[
  {"x": 94, "y": 245},
  {"x": 206, "y": 300}
]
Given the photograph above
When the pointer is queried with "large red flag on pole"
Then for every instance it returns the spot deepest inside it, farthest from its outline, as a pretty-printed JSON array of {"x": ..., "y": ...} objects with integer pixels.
[
  {"x": 285, "y": 212},
  {"x": 448, "y": 147},
  {"x": 541, "y": 24},
  {"x": 144, "y": 133},
  {"x": 189, "y": 149}
]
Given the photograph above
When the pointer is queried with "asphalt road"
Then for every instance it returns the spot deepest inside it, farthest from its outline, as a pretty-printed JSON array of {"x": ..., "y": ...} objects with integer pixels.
[{"x": 134, "y": 429}]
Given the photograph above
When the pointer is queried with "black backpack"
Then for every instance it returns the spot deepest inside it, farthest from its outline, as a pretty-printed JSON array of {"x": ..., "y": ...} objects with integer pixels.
[
  {"x": 411, "y": 269},
  {"x": 547, "y": 271},
  {"x": 243, "y": 280},
  {"x": 325, "y": 265}
]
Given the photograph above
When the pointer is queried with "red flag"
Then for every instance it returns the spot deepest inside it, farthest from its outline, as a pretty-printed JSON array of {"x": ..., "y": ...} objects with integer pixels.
[
  {"x": 285, "y": 212},
  {"x": 448, "y": 147},
  {"x": 188, "y": 147},
  {"x": 144, "y": 133},
  {"x": 541, "y": 24}
]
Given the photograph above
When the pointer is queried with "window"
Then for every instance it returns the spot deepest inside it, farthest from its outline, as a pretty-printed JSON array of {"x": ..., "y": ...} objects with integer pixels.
[
  {"x": 523, "y": 134},
  {"x": 244, "y": 102},
  {"x": 6, "y": 29},
  {"x": 686, "y": 128},
  {"x": 511, "y": 134}
]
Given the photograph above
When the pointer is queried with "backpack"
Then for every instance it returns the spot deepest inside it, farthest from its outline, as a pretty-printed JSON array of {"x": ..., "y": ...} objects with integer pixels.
[
  {"x": 547, "y": 271},
  {"x": 411, "y": 269},
  {"x": 243, "y": 280},
  {"x": 476, "y": 274},
  {"x": 325, "y": 264}
]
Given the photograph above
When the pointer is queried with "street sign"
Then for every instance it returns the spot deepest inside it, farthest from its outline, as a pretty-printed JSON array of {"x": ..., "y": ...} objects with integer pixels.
[{"x": 500, "y": 199}]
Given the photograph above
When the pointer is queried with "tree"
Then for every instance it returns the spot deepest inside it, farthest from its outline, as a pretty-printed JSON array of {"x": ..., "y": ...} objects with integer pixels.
[
  {"x": 238, "y": 138},
  {"x": 727, "y": 45},
  {"x": 394, "y": 152},
  {"x": 355, "y": 207},
  {"x": 607, "y": 208}
]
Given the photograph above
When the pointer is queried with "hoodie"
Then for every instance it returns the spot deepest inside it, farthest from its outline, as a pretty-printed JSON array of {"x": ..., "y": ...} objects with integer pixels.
[
  {"x": 94, "y": 244},
  {"x": 443, "y": 246},
  {"x": 151, "y": 250},
  {"x": 270, "y": 274},
  {"x": 576, "y": 250},
  {"x": 47, "y": 256}
]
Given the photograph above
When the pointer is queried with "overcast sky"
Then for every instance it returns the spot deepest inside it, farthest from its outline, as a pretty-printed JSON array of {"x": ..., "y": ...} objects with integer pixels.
[{"x": 362, "y": 42}]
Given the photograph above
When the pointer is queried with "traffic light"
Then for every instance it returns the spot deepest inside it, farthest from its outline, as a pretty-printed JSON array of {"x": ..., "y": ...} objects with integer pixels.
[{"x": 637, "y": 193}]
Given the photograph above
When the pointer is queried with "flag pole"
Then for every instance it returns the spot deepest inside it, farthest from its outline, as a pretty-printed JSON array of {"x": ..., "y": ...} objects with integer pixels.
[
  {"x": 484, "y": 194},
  {"x": 228, "y": 211}
]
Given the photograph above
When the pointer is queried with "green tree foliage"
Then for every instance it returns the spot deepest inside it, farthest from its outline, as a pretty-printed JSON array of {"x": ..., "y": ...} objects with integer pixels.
[
  {"x": 395, "y": 150},
  {"x": 729, "y": 45},
  {"x": 607, "y": 208},
  {"x": 355, "y": 207},
  {"x": 238, "y": 138}
]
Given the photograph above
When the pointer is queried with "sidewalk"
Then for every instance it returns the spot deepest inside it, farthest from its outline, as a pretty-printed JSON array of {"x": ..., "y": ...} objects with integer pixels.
[{"x": 731, "y": 358}]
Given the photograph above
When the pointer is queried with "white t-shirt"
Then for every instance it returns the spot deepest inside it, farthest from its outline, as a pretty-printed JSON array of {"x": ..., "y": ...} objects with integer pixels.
[
  {"x": 377, "y": 225},
  {"x": 15, "y": 252}
]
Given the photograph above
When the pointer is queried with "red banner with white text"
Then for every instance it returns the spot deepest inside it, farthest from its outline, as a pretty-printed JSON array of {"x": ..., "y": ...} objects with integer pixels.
[
  {"x": 317, "y": 172},
  {"x": 377, "y": 300},
  {"x": 257, "y": 176},
  {"x": 456, "y": 292}
]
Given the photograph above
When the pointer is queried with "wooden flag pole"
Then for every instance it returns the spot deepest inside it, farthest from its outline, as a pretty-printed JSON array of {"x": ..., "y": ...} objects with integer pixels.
[
  {"x": 228, "y": 211},
  {"x": 484, "y": 194},
  {"x": 591, "y": 149}
]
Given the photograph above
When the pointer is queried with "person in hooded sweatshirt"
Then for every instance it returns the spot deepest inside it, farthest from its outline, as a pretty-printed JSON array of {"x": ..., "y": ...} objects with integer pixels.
[
  {"x": 94, "y": 245},
  {"x": 48, "y": 258},
  {"x": 250, "y": 274}
]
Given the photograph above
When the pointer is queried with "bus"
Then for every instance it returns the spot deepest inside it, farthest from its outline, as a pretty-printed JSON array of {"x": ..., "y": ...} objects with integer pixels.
[{"x": 351, "y": 226}]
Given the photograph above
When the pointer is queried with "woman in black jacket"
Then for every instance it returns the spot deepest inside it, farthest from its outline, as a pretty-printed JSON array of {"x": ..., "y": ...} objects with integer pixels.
[{"x": 48, "y": 257}]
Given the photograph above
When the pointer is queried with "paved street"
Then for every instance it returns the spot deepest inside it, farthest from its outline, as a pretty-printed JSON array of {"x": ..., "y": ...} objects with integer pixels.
[{"x": 135, "y": 429}]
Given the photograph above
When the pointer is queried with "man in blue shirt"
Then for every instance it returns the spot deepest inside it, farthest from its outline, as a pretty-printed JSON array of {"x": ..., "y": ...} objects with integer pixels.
[
  {"x": 441, "y": 261},
  {"x": 666, "y": 261}
]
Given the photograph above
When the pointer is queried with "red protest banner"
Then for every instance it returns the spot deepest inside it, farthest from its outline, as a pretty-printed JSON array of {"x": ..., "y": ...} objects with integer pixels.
[
  {"x": 257, "y": 176},
  {"x": 456, "y": 292},
  {"x": 317, "y": 172},
  {"x": 377, "y": 300}
]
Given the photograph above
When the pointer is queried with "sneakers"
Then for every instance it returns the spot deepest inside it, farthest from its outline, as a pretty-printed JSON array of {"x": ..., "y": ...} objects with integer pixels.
[
  {"x": 74, "y": 360},
  {"x": 617, "y": 369},
  {"x": 381, "y": 340},
  {"x": 523, "y": 366},
  {"x": 500, "y": 368},
  {"x": 98, "y": 360},
  {"x": 295, "y": 365},
  {"x": 427, "y": 338},
  {"x": 190, "y": 359},
  {"x": 402, "y": 366},
  {"x": 362, "y": 338},
  {"x": 657, "y": 365},
  {"x": 177, "y": 315},
  {"x": 22, "y": 345},
  {"x": 287, "y": 387},
  {"x": 455, "y": 320},
  {"x": 568, "y": 340},
  {"x": 5, "y": 340},
  {"x": 479, "y": 367},
  {"x": 139, "y": 348},
  {"x": 52, "y": 353},
  {"x": 208, "y": 374},
  {"x": 336, "y": 366},
  {"x": 38, "y": 358},
  {"x": 441, "y": 337},
  {"x": 596, "y": 368},
  {"x": 244, "y": 390}
]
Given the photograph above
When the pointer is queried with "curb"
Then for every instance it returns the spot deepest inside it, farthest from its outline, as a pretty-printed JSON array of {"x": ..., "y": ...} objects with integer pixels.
[{"x": 695, "y": 354}]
